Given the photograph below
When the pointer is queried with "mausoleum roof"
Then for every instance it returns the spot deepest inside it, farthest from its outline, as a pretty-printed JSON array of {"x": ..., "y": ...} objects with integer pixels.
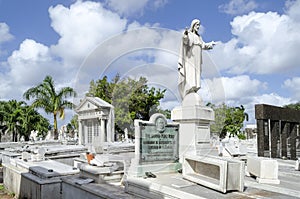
[{"x": 95, "y": 101}]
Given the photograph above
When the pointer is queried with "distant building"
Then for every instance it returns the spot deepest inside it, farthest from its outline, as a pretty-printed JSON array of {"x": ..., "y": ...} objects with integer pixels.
[
  {"x": 251, "y": 131},
  {"x": 96, "y": 122}
]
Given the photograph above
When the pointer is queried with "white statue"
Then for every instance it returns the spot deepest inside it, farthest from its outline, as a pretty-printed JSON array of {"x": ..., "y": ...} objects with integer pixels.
[{"x": 190, "y": 59}]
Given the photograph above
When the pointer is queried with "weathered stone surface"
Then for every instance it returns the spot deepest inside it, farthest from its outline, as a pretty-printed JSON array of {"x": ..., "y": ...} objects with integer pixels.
[
  {"x": 73, "y": 187},
  {"x": 217, "y": 173},
  {"x": 156, "y": 145},
  {"x": 265, "y": 111},
  {"x": 277, "y": 125},
  {"x": 265, "y": 169}
]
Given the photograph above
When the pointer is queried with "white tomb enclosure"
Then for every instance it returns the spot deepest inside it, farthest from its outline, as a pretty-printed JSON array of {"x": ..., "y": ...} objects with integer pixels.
[
  {"x": 221, "y": 174},
  {"x": 96, "y": 122},
  {"x": 264, "y": 169}
]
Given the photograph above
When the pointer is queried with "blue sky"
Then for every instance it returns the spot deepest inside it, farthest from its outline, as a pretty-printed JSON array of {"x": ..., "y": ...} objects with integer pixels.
[{"x": 255, "y": 61}]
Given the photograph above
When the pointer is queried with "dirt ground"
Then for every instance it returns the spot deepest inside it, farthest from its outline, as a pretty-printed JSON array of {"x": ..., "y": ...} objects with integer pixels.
[{"x": 4, "y": 194}]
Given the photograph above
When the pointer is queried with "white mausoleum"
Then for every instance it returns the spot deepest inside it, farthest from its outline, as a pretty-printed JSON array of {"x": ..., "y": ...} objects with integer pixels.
[{"x": 96, "y": 121}]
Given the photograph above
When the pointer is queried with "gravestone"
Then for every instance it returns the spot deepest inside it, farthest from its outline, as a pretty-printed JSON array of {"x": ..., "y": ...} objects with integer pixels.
[{"x": 156, "y": 146}]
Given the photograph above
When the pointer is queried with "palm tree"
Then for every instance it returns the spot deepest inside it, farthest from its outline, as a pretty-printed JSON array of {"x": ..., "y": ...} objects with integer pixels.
[
  {"x": 3, "y": 126},
  {"x": 32, "y": 120},
  {"x": 46, "y": 97},
  {"x": 12, "y": 113}
]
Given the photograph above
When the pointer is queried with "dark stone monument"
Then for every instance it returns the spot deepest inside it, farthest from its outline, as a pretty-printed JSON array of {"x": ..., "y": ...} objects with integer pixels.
[{"x": 277, "y": 131}]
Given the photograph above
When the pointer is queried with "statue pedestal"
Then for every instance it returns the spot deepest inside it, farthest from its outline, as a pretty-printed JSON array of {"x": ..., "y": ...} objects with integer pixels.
[{"x": 194, "y": 130}]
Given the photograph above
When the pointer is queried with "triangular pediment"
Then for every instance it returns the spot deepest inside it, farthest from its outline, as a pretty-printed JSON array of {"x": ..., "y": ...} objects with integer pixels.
[{"x": 92, "y": 103}]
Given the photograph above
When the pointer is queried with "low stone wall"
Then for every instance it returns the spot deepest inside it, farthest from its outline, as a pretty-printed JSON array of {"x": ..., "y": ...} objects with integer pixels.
[{"x": 12, "y": 178}]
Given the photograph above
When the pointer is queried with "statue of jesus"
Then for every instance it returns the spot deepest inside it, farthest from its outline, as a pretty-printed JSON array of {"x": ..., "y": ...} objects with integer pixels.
[{"x": 190, "y": 59}]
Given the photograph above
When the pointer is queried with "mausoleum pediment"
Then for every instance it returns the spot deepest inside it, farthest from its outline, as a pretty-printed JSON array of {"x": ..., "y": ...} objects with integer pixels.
[{"x": 92, "y": 103}]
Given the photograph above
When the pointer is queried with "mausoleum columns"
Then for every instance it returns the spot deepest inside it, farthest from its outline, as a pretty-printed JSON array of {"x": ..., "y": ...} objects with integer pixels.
[
  {"x": 96, "y": 120},
  {"x": 103, "y": 130},
  {"x": 80, "y": 132}
]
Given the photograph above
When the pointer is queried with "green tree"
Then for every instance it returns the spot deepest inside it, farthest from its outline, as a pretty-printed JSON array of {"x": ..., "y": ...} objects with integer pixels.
[
  {"x": 12, "y": 115},
  {"x": 103, "y": 89},
  {"x": 3, "y": 127},
  {"x": 235, "y": 116},
  {"x": 132, "y": 99},
  {"x": 295, "y": 106},
  {"x": 53, "y": 102},
  {"x": 220, "y": 116},
  {"x": 228, "y": 119},
  {"x": 72, "y": 126},
  {"x": 32, "y": 120}
]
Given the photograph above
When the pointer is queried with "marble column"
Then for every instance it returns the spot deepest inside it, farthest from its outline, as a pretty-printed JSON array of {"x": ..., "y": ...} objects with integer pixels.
[
  {"x": 103, "y": 133},
  {"x": 80, "y": 132}
]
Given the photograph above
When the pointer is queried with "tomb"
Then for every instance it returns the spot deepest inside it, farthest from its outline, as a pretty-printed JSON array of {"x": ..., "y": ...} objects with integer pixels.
[
  {"x": 96, "y": 122},
  {"x": 264, "y": 169},
  {"x": 39, "y": 179},
  {"x": 216, "y": 173}
]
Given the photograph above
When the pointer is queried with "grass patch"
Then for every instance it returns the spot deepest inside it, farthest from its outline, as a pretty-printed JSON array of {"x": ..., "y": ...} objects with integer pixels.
[{"x": 1, "y": 187}]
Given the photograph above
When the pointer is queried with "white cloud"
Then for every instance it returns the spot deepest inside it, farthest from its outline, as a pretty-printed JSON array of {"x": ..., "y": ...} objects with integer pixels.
[
  {"x": 82, "y": 27},
  {"x": 30, "y": 62},
  {"x": 127, "y": 7},
  {"x": 4, "y": 33},
  {"x": 272, "y": 99},
  {"x": 240, "y": 90},
  {"x": 293, "y": 85},
  {"x": 133, "y": 7},
  {"x": 264, "y": 43},
  {"x": 27, "y": 66},
  {"x": 235, "y": 7},
  {"x": 267, "y": 98},
  {"x": 234, "y": 88},
  {"x": 293, "y": 8},
  {"x": 149, "y": 52}
]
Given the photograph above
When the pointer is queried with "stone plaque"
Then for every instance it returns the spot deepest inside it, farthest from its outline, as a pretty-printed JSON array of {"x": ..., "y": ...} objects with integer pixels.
[
  {"x": 158, "y": 140},
  {"x": 202, "y": 134}
]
